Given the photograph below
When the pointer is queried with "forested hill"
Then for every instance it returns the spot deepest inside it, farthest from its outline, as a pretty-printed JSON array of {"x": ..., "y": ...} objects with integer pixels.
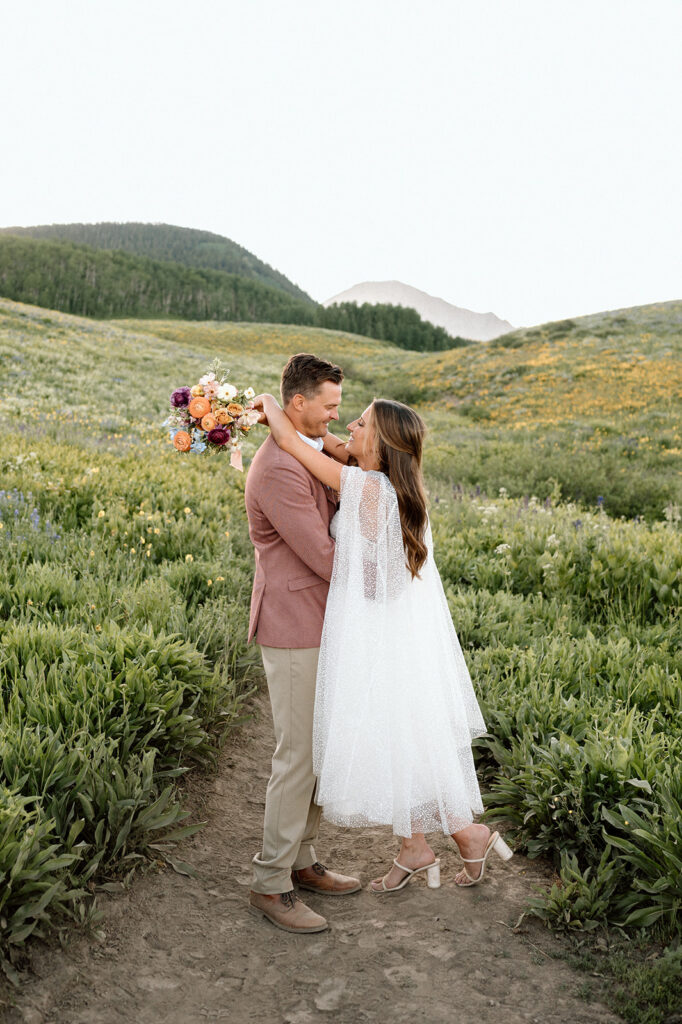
[
  {"x": 398, "y": 324},
  {"x": 110, "y": 283},
  {"x": 192, "y": 248}
]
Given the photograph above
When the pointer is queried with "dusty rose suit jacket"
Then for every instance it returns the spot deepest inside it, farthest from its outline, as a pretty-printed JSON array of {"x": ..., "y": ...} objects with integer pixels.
[{"x": 289, "y": 512}]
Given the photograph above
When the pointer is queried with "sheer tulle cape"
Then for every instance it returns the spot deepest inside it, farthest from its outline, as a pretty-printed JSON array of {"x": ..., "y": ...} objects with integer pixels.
[{"x": 395, "y": 710}]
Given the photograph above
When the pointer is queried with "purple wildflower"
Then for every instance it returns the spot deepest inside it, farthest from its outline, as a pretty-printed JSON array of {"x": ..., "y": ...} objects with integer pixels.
[{"x": 181, "y": 397}]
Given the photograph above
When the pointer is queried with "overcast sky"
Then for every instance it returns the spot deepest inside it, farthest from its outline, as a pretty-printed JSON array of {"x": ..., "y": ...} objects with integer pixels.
[{"x": 515, "y": 156}]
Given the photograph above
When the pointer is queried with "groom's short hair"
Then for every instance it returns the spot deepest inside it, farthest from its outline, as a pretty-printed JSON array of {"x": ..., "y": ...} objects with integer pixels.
[{"x": 305, "y": 374}]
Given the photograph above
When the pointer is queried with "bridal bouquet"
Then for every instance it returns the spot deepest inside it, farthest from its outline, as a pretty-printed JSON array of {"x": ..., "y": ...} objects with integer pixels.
[{"x": 211, "y": 416}]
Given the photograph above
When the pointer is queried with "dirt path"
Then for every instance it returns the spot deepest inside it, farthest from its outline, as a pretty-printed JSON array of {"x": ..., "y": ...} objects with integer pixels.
[{"x": 182, "y": 950}]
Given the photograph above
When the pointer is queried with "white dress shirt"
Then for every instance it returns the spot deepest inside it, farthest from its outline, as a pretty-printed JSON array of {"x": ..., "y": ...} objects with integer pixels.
[{"x": 315, "y": 442}]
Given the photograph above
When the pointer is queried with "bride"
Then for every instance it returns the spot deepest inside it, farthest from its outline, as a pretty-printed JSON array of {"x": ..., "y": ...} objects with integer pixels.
[{"x": 395, "y": 711}]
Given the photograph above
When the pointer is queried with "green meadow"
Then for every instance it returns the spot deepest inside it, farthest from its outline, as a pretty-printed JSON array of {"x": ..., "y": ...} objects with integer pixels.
[{"x": 554, "y": 468}]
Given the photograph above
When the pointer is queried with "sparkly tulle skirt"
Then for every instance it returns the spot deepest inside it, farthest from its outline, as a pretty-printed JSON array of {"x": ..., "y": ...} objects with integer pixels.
[{"x": 395, "y": 710}]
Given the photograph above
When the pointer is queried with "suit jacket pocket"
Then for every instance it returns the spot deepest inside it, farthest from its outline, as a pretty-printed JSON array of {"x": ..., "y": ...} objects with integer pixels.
[{"x": 301, "y": 582}]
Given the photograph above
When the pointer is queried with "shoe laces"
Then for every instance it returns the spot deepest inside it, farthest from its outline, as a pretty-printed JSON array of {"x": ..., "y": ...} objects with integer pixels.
[
  {"x": 318, "y": 868},
  {"x": 289, "y": 899}
]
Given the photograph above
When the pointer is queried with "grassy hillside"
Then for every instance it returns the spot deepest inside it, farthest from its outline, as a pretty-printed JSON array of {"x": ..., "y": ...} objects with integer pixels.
[
  {"x": 592, "y": 409},
  {"x": 592, "y": 412},
  {"x": 126, "y": 567},
  {"x": 202, "y": 249},
  {"x": 593, "y": 404}
]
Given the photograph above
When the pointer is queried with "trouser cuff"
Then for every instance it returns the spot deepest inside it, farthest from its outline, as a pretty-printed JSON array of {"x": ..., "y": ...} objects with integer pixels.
[
  {"x": 306, "y": 858},
  {"x": 270, "y": 881}
]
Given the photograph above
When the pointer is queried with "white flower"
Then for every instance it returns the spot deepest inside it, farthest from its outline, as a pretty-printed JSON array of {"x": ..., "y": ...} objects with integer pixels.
[
  {"x": 501, "y": 548},
  {"x": 207, "y": 378},
  {"x": 249, "y": 394},
  {"x": 227, "y": 392},
  {"x": 552, "y": 541},
  {"x": 249, "y": 418}
]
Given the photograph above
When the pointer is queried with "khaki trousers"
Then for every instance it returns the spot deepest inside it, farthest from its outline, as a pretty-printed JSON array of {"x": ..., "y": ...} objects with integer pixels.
[{"x": 292, "y": 818}]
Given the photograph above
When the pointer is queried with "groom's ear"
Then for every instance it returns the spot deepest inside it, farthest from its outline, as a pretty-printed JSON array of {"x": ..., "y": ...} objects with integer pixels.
[{"x": 297, "y": 402}]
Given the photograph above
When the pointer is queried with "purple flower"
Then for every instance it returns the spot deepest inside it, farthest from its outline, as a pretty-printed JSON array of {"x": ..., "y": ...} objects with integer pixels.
[
  {"x": 180, "y": 397},
  {"x": 218, "y": 435}
]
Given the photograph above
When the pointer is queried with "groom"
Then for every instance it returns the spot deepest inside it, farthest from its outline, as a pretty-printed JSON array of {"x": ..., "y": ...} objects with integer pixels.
[{"x": 289, "y": 512}]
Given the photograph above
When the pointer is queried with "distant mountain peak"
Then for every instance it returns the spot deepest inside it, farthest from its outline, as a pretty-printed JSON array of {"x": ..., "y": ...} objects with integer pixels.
[{"x": 458, "y": 322}]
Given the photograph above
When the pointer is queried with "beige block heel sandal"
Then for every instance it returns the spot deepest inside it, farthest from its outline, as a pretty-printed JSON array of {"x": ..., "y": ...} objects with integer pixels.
[
  {"x": 432, "y": 878},
  {"x": 496, "y": 843}
]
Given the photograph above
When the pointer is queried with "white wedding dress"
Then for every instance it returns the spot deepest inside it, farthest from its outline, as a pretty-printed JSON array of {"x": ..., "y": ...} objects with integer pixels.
[{"x": 395, "y": 711}]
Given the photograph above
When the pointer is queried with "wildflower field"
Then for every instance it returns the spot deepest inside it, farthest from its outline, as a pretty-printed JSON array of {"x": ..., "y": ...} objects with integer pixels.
[{"x": 553, "y": 464}]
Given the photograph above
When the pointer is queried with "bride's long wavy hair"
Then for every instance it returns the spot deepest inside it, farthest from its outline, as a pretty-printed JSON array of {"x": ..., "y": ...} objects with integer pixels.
[{"x": 398, "y": 437}]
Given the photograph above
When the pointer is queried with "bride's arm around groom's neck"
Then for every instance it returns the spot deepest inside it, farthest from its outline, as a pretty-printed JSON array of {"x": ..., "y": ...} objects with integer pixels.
[{"x": 335, "y": 447}]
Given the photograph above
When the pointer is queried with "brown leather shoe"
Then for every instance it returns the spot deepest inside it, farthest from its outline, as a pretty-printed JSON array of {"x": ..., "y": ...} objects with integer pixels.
[
  {"x": 328, "y": 883},
  {"x": 287, "y": 911}
]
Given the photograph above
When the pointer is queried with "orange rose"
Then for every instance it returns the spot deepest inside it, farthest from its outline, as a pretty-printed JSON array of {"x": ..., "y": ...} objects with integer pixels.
[
  {"x": 234, "y": 409},
  {"x": 199, "y": 407},
  {"x": 182, "y": 441},
  {"x": 223, "y": 417},
  {"x": 208, "y": 422}
]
